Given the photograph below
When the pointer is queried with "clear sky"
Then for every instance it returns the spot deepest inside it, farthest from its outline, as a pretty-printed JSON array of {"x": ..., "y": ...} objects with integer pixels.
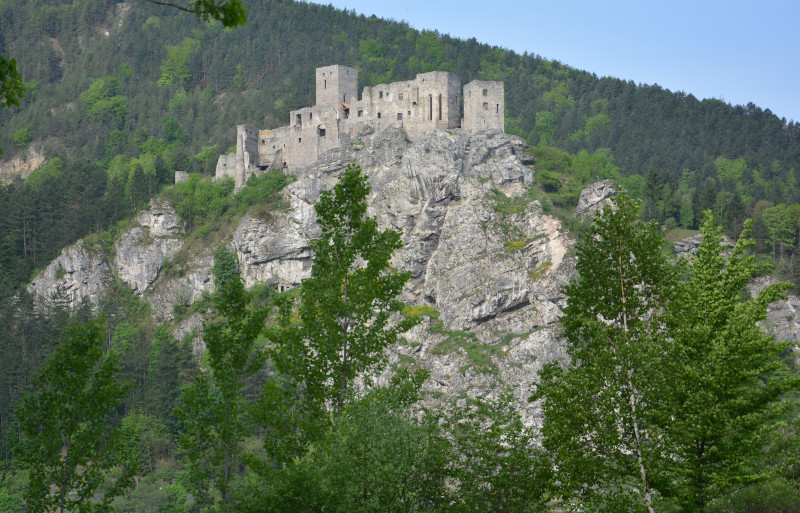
[{"x": 736, "y": 51}]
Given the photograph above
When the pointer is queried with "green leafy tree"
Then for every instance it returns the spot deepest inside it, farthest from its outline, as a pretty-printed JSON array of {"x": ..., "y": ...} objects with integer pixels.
[
  {"x": 67, "y": 445},
  {"x": 379, "y": 457},
  {"x": 213, "y": 408},
  {"x": 347, "y": 305},
  {"x": 228, "y": 12},
  {"x": 606, "y": 411},
  {"x": 494, "y": 461},
  {"x": 12, "y": 87},
  {"x": 347, "y": 316},
  {"x": 23, "y": 137},
  {"x": 729, "y": 393},
  {"x": 780, "y": 228}
]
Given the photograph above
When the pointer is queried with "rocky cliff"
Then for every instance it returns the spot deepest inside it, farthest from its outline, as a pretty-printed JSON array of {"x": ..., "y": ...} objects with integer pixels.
[{"x": 478, "y": 245}]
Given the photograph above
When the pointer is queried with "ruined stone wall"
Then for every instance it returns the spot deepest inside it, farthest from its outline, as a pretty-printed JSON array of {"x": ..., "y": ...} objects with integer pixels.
[
  {"x": 272, "y": 148},
  {"x": 483, "y": 106},
  {"x": 313, "y": 130},
  {"x": 431, "y": 101},
  {"x": 336, "y": 85}
]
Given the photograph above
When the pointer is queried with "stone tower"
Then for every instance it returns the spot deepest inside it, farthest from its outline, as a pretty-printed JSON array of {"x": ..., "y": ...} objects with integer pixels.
[
  {"x": 337, "y": 85},
  {"x": 483, "y": 106}
]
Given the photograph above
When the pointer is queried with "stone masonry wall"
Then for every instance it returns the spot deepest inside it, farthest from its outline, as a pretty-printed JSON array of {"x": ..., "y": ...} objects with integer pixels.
[{"x": 430, "y": 101}]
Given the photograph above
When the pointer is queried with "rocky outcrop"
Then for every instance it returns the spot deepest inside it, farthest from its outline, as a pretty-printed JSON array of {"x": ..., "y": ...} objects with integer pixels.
[
  {"x": 141, "y": 252},
  {"x": 595, "y": 197},
  {"x": 688, "y": 246},
  {"x": 160, "y": 219},
  {"x": 21, "y": 165},
  {"x": 78, "y": 274},
  {"x": 479, "y": 250},
  {"x": 140, "y": 257}
]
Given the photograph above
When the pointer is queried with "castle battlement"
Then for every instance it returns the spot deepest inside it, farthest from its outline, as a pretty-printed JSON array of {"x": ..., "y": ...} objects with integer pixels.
[{"x": 432, "y": 100}]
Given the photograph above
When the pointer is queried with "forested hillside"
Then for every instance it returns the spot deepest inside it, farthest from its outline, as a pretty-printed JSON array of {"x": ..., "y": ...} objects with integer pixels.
[{"x": 123, "y": 94}]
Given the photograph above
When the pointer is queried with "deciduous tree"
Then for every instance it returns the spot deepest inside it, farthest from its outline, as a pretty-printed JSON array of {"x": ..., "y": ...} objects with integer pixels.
[
  {"x": 728, "y": 393},
  {"x": 606, "y": 411},
  {"x": 67, "y": 445}
]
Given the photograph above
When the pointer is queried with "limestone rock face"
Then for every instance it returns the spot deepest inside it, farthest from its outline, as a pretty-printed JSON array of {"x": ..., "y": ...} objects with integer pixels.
[
  {"x": 478, "y": 248},
  {"x": 782, "y": 320},
  {"x": 141, "y": 252},
  {"x": 595, "y": 197},
  {"x": 275, "y": 253},
  {"x": 688, "y": 246},
  {"x": 77, "y": 274},
  {"x": 160, "y": 219},
  {"x": 139, "y": 257}
]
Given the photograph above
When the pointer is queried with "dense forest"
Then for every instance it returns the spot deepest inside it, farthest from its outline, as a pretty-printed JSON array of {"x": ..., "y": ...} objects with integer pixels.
[{"x": 121, "y": 95}]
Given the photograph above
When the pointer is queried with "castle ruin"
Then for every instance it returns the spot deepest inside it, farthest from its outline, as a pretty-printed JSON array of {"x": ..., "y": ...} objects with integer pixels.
[{"x": 430, "y": 101}]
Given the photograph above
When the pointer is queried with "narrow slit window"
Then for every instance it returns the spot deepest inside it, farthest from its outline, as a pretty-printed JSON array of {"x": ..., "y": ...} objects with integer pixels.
[{"x": 440, "y": 107}]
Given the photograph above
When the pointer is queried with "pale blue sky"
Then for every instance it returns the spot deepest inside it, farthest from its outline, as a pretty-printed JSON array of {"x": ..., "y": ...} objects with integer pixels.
[{"x": 736, "y": 51}]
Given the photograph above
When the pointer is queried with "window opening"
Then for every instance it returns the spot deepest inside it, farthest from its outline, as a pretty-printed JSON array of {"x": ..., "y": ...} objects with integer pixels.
[
  {"x": 430, "y": 107},
  {"x": 299, "y": 119},
  {"x": 321, "y": 131},
  {"x": 497, "y": 108},
  {"x": 324, "y": 84},
  {"x": 379, "y": 115},
  {"x": 486, "y": 92},
  {"x": 440, "y": 107},
  {"x": 310, "y": 115},
  {"x": 360, "y": 112},
  {"x": 380, "y": 94},
  {"x": 485, "y": 106},
  {"x": 399, "y": 116},
  {"x": 299, "y": 139}
]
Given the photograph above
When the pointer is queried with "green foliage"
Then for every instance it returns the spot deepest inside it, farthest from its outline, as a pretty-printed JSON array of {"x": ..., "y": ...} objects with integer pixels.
[
  {"x": 48, "y": 172},
  {"x": 199, "y": 201},
  {"x": 11, "y": 85},
  {"x": 494, "y": 460},
  {"x": 23, "y": 137},
  {"x": 213, "y": 409},
  {"x": 379, "y": 457},
  {"x": 263, "y": 192},
  {"x": 420, "y": 311},
  {"x": 605, "y": 413},
  {"x": 102, "y": 100},
  {"x": 175, "y": 68},
  {"x": 479, "y": 355},
  {"x": 230, "y": 13},
  {"x": 67, "y": 444},
  {"x": 729, "y": 391},
  {"x": 225, "y": 269},
  {"x": 346, "y": 305}
]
